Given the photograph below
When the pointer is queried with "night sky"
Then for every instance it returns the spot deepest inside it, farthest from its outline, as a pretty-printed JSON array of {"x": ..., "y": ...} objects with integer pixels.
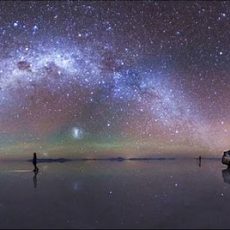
[{"x": 116, "y": 78}]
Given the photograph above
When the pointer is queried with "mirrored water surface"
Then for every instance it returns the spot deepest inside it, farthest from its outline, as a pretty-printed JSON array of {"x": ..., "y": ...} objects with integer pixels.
[{"x": 128, "y": 194}]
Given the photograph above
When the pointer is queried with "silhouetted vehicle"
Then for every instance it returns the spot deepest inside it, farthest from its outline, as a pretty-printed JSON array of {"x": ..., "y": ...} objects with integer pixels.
[
  {"x": 226, "y": 158},
  {"x": 35, "y": 162}
]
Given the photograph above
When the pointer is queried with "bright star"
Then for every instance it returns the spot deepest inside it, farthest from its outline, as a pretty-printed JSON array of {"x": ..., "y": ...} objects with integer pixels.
[{"x": 77, "y": 133}]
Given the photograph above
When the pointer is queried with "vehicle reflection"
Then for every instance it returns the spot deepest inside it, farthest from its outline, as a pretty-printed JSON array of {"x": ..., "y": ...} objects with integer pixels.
[{"x": 226, "y": 175}]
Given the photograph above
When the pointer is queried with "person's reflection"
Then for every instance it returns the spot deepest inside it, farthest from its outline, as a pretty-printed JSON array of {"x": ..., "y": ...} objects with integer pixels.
[
  {"x": 226, "y": 175},
  {"x": 35, "y": 181},
  {"x": 200, "y": 161}
]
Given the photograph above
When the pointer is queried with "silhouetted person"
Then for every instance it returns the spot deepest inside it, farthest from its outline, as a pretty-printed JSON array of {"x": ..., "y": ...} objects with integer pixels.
[
  {"x": 35, "y": 179},
  {"x": 199, "y": 161},
  {"x": 35, "y": 162}
]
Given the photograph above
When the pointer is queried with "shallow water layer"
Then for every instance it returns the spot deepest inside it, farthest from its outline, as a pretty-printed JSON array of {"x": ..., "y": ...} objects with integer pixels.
[{"x": 138, "y": 194}]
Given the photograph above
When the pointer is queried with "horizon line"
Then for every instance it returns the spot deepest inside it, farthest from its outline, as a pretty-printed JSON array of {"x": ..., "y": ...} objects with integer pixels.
[{"x": 62, "y": 159}]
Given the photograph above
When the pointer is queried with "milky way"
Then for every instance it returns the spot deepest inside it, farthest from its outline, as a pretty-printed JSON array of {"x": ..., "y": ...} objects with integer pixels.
[{"x": 114, "y": 78}]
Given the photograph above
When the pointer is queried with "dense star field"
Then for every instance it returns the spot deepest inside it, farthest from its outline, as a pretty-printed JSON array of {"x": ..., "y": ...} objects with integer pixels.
[{"x": 125, "y": 78}]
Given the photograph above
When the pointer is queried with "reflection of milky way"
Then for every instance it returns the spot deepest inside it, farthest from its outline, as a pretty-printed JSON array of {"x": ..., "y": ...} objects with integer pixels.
[{"x": 97, "y": 77}]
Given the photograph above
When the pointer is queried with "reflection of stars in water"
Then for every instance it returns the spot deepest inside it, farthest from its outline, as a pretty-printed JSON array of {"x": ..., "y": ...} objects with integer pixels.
[
  {"x": 76, "y": 186},
  {"x": 110, "y": 193}
]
